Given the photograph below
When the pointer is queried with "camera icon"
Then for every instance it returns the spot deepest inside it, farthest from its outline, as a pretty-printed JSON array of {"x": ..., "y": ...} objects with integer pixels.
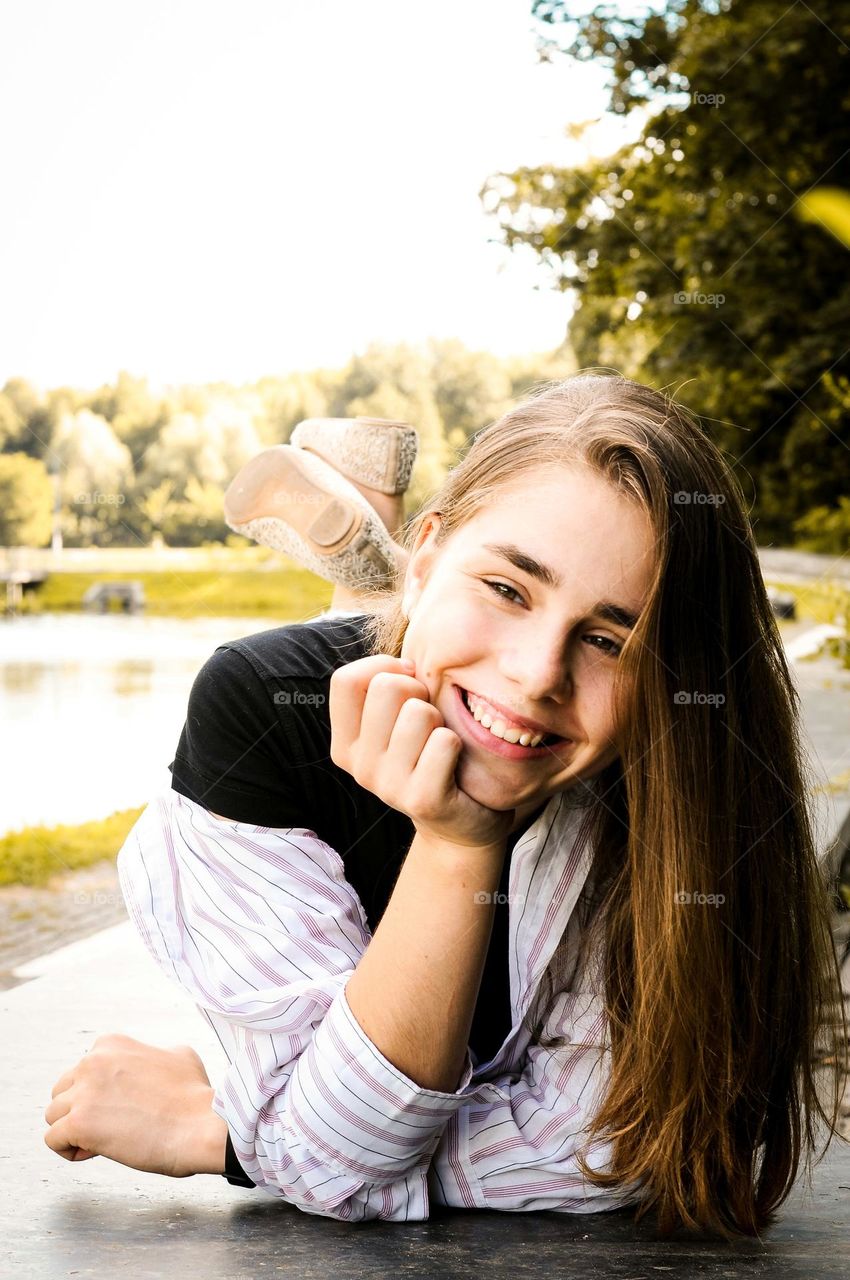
[
  {"x": 681, "y": 498},
  {"x": 681, "y": 698},
  {"x": 682, "y": 898},
  {"x": 482, "y": 897}
]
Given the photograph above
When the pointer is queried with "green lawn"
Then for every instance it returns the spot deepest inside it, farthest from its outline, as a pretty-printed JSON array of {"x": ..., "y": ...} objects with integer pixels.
[
  {"x": 817, "y": 601},
  {"x": 34, "y": 855},
  {"x": 287, "y": 594}
]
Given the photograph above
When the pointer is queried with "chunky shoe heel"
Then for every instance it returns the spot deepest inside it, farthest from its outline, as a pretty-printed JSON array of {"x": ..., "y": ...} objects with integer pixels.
[{"x": 376, "y": 452}]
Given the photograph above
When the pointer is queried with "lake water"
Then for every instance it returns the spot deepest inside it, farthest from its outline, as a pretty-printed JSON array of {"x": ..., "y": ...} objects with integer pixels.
[{"x": 92, "y": 706}]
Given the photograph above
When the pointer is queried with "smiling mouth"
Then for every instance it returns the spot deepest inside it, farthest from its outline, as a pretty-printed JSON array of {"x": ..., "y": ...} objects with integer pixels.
[{"x": 548, "y": 740}]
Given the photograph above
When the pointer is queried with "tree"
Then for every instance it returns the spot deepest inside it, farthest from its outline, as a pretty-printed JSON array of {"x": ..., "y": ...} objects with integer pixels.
[
  {"x": 158, "y": 509},
  {"x": 26, "y": 425},
  {"x": 396, "y": 382},
  {"x": 96, "y": 473},
  {"x": 199, "y": 518},
  {"x": 688, "y": 271},
  {"x": 471, "y": 388},
  {"x": 134, "y": 413},
  {"x": 287, "y": 401},
  {"x": 26, "y": 501},
  {"x": 211, "y": 447}
]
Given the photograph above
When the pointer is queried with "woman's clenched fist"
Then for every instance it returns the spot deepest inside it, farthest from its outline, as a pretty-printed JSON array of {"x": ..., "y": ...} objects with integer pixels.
[{"x": 394, "y": 742}]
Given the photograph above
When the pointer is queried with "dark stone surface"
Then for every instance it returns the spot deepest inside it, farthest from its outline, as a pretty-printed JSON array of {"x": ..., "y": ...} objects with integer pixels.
[{"x": 98, "y": 1218}]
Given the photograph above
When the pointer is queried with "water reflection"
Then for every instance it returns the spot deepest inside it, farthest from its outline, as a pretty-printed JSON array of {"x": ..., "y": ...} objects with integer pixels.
[{"x": 92, "y": 707}]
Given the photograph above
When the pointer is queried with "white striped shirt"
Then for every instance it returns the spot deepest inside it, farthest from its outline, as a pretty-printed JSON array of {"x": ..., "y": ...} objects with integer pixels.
[{"x": 261, "y": 928}]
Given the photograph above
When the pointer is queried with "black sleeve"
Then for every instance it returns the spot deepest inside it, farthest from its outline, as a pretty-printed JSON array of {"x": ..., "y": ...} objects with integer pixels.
[
  {"x": 233, "y": 1171},
  {"x": 239, "y": 753}
]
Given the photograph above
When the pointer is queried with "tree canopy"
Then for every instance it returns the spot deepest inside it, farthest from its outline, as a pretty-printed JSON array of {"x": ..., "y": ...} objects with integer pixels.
[{"x": 686, "y": 252}]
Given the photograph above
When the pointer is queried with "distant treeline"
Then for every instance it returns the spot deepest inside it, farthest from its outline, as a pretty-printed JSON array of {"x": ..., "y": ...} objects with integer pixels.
[{"x": 128, "y": 467}]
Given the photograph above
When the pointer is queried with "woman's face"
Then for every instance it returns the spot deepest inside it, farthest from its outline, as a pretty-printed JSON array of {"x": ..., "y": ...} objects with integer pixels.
[{"x": 543, "y": 651}]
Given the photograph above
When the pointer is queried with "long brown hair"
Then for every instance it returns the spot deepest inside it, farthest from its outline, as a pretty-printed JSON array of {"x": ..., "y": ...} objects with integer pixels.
[{"x": 716, "y": 1010}]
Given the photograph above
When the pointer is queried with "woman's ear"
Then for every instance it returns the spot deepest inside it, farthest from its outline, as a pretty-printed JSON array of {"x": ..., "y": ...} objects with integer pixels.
[{"x": 421, "y": 561}]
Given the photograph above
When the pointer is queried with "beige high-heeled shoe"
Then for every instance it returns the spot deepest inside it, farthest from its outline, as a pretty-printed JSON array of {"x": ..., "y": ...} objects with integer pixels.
[{"x": 292, "y": 500}]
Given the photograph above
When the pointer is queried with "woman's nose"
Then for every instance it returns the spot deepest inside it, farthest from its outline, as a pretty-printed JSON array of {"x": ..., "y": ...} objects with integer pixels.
[{"x": 539, "y": 670}]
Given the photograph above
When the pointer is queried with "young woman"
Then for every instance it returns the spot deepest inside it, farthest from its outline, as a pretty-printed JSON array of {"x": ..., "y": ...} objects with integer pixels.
[{"x": 500, "y": 892}]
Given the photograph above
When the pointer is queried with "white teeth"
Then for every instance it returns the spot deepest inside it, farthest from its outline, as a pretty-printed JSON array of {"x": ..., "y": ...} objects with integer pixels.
[{"x": 500, "y": 730}]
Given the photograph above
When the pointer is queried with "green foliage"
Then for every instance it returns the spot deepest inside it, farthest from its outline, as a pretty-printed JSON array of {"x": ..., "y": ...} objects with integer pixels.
[
  {"x": 36, "y": 854},
  {"x": 687, "y": 269},
  {"x": 825, "y": 529},
  {"x": 829, "y": 207},
  {"x": 26, "y": 501}
]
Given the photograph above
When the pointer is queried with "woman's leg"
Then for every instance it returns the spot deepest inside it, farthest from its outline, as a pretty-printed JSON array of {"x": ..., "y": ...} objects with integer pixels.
[{"x": 391, "y": 510}]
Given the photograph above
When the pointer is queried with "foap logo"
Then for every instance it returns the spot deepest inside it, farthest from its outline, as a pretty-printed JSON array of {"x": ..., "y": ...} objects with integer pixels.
[
  {"x": 681, "y": 698},
  {"x": 687, "y": 898},
  {"x": 684, "y": 499},
  {"x": 688, "y": 298},
  {"x": 296, "y": 697},
  {"x": 99, "y": 500},
  {"x": 498, "y": 898}
]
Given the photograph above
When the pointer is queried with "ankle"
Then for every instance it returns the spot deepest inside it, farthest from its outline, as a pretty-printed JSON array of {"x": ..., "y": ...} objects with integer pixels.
[{"x": 390, "y": 508}]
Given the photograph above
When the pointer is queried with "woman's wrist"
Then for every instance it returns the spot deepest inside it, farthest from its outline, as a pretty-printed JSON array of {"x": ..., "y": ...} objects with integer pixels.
[
  {"x": 208, "y": 1140},
  {"x": 457, "y": 859}
]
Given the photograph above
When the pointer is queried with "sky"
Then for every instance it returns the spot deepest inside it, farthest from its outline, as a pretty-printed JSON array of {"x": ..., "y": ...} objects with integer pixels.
[{"x": 199, "y": 190}]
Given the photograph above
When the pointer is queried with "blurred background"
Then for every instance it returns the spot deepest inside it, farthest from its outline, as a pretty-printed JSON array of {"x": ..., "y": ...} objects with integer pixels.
[{"x": 220, "y": 220}]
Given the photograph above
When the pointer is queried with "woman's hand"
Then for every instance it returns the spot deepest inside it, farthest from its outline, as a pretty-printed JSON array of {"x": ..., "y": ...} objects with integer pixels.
[
  {"x": 393, "y": 741},
  {"x": 145, "y": 1107}
]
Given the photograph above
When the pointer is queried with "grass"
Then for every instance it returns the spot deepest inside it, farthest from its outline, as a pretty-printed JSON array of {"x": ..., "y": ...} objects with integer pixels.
[
  {"x": 36, "y": 854},
  {"x": 824, "y": 602},
  {"x": 817, "y": 601},
  {"x": 286, "y": 594}
]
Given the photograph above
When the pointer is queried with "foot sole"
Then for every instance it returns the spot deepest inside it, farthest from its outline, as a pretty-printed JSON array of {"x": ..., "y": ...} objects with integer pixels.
[{"x": 293, "y": 501}]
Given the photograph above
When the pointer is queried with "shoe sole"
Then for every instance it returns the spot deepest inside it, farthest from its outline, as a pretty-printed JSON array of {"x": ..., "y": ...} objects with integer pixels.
[
  {"x": 293, "y": 501},
  {"x": 377, "y": 452}
]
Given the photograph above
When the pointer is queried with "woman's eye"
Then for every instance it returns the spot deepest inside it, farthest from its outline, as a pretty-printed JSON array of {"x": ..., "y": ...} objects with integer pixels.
[
  {"x": 603, "y": 643},
  {"x": 609, "y": 647},
  {"x": 499, "y": 587}
]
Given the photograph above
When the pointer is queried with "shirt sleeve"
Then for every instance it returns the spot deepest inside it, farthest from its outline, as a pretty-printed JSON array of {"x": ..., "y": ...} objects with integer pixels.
[
  {"x": 513, "y": 1145},
  {"x": 260, "y": 927}
]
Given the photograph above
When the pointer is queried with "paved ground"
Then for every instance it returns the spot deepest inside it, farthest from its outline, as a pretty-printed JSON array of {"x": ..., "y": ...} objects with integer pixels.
[{"x": 99, "y": 1218}]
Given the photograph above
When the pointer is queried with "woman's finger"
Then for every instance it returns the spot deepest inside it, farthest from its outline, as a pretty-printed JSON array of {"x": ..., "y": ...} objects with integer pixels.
[
  {"x": 433, "y": 782},
  {"x": 64, "y": 1082},
  {"x": 414, "y": 721},
  {"x": 387, "y": 693},
  {"x": 346, "y": 696},
  {"x": 60, "y": 1106}
]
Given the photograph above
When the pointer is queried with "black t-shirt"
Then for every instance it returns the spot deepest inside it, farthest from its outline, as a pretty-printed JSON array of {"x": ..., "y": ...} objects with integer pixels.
[{"x": 256, "y": 748}]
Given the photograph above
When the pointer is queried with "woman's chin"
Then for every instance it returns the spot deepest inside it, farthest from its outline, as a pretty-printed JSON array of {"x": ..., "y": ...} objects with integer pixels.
[{"x": 479, "y": 784}]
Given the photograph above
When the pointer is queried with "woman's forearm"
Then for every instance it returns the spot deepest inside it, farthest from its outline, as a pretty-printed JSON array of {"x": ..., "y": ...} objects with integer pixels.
[{"x": 415, "y": 988}]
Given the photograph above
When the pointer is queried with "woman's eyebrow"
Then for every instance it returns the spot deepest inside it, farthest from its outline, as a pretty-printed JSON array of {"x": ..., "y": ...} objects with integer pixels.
[{"x": 615, "y": 613}]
